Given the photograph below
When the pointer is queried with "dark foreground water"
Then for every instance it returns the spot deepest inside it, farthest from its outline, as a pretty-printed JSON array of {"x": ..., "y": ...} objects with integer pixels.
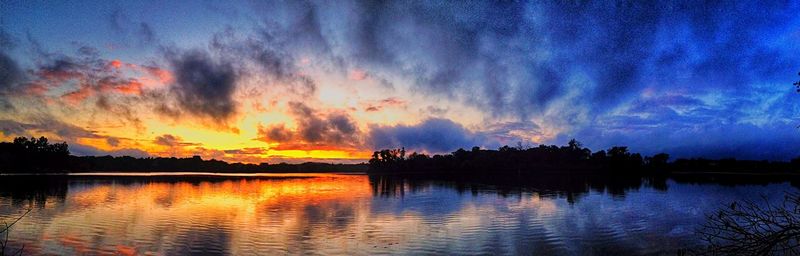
[{"x": 358, "y": 214}]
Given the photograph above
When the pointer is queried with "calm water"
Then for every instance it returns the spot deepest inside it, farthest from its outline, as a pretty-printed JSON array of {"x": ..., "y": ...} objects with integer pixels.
[{"x": 357, "y": 214}]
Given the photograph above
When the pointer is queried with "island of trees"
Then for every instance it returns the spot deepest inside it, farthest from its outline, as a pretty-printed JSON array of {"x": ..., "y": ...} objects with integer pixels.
[{"x": 32, "y": 155}]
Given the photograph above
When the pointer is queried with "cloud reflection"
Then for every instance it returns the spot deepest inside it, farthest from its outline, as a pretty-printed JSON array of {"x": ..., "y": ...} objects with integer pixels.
[{"x": 352, "y": 214}]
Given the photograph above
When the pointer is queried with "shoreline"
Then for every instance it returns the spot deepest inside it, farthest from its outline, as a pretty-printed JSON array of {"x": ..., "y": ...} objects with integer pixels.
[{"x": 176, "y": 174}]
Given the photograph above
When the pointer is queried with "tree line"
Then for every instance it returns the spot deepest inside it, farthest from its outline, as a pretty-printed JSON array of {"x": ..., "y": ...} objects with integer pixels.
[
  {"x": 570, "y": 158},
  {"x": 32, "y": 155}
]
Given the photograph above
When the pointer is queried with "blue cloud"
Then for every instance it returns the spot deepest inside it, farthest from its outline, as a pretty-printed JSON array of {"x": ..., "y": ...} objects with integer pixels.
[
  {"x": 85, "y": 150},
  {"x": 432, "y": 135}
]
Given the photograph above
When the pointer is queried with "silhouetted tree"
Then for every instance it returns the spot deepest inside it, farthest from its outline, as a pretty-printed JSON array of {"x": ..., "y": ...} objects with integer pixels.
[
  {"x": 33, "y": 154},
  {"x": 750, "y": 228},
  {"x": 659, "y": 159},
  {"x": 619, "y": 152},
  {"x": 38, "y": 155},
  {"x": 599, "y": 156},
  {"x": 572, "y": 157},
  {"x": 552, "y": 159}
]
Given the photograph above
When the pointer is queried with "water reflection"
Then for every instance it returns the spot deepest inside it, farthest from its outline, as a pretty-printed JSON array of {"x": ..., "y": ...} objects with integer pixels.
[
  {"x": 359, "y": 214},
  {"x": 549, "y": 186}
]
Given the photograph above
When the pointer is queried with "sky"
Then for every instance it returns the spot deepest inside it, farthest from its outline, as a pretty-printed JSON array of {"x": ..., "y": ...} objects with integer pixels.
[{"x": 332, "y": 81}]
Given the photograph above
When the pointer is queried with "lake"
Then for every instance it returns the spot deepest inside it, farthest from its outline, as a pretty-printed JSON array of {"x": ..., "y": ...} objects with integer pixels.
[{"x": 358, "y": 214}]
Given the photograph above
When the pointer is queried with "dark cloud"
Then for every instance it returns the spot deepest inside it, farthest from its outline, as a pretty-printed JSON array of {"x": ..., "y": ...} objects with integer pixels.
[
  {"x": 167, "y": 140},
  {"x": 274, "y": 133},
  {"x": 438, "y": 135},
  {"x": 10, "y": 73},
  {"x": 45, "y": 124},
  {"x": 62, "y": 129},
  {"x": 14, "y": 128},
  {"x": 519, "y": 57},
  {"x": 432, "y": 135},
  {"x": 131, "y": 32},
  {"x": 313, "y": 127},
  {"x": 7, "y": 42},
  {"x": 296, "y": 27},
  {"x": 121, "y": 108},
  {"x": 146, "y": 34},
  {"x": 165, "y": 110},
  {"x": 170, "y": 140},
  {"x": 342, "y": 123},
  {"x": 6, "y": 105},
  {"x": 203, "y": 86},
  {"x": 62, "y": 68},
  {"x": 272, "y": 57},
  {"x": 247, "y": 151},
  {"x": 117, "y": 20},
  {"x": 111, "y": 141},
  {"x": 10, "y": 76},
  {"x": 88, "y": 51}
]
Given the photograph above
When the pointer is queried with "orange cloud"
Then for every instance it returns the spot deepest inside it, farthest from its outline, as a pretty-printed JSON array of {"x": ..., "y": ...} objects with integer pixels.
[
  {"x": 130, "y": 86},
  {"x": 164, "y": 76},
  {"x": 94, "y": 78},
  {"x": 36, "y": 88},
  {"x": 76, "y": 97},
  {"x": 116, "y": 63}
]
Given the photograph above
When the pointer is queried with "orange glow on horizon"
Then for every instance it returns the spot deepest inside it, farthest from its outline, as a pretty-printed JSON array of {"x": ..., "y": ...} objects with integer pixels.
[{"x": 118, "y": 108}]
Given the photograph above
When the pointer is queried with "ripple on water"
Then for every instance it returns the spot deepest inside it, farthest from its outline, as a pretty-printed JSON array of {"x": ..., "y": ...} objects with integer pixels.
[{"x": 339, "y": 216}]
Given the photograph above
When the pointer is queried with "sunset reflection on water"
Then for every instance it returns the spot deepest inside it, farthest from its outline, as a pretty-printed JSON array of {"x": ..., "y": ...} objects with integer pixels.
[
  {"x": 176, "y": 217},
  {"x": 350, "y": 214}
]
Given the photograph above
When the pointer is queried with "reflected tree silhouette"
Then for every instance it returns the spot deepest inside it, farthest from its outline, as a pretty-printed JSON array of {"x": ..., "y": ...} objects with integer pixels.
[{"x": 572, "y": 188}]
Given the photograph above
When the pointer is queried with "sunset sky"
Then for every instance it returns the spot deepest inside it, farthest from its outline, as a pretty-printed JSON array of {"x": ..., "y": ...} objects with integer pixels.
[{"x": 332, "y": 81}]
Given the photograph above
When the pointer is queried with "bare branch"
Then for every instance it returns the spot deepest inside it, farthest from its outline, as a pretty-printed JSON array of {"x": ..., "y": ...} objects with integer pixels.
[{"x": 749, "y": 228}]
